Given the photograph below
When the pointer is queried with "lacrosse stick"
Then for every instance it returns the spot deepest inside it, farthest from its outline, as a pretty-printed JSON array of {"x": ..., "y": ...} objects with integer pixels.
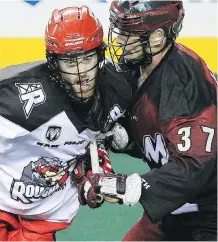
[{"x": 93, "y": 149}]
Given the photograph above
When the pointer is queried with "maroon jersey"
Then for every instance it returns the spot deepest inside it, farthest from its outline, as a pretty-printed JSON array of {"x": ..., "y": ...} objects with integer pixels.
[{"x": 173, "y": 121}]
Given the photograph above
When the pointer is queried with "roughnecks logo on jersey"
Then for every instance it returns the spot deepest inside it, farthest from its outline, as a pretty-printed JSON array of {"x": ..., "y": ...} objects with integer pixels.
[
  {"x": 40, "y": 179},
  {"x": 31, "y": 94}
]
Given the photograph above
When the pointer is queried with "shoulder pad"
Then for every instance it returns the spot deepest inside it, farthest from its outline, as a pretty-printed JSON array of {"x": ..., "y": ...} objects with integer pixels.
[{"x": 19, "y": 70}]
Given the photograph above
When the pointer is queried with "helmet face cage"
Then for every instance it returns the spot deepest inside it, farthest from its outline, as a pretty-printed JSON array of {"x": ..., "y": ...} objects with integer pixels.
[
  {"x": 72, "y": 35},
  {"x": 57, "y": 77},
  {"x": 141, "y": 18},
  {"x": 119, "y": 52}
]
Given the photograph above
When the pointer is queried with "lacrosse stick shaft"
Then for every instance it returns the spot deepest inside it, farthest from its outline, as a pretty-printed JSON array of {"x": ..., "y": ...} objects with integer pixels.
[
  {"x": 94, "y": 156},
  {"x": 93, "y": 148}
]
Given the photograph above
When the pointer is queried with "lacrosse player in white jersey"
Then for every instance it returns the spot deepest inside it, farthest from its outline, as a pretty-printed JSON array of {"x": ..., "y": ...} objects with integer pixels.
[{"x": 50, "y": 111}]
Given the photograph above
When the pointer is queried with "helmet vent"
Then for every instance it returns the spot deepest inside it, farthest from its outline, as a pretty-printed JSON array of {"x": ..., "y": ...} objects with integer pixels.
[
  {"x": 61, "y": 16},
  {"x": 50, "y": 42},
  {"x": 95, "y": 37},
  {"x": 79, "y": 14},
  {"x": 133, "y": 4}
]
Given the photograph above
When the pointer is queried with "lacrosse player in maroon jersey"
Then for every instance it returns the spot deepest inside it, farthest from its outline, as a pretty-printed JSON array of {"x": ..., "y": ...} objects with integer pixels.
[{"x": 172, "y": 122}]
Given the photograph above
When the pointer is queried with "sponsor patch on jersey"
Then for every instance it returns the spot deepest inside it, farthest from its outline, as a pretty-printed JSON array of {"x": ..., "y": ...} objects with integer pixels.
[
  {"x": 40, "y": 179},
  {"x": 53, "y": 133},
  {"x": 31, "y": 94}
]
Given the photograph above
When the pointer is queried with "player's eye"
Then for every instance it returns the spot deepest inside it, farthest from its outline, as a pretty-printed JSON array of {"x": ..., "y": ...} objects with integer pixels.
[
  {"x": 71, "y": 62},
  {"x": 88, "y": 58},
  {"x": 124, "y": 33}
]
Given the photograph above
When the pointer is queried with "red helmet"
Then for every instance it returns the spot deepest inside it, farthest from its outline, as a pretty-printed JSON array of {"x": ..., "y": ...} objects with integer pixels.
[
  {"x": 74, "y": 32},
  {"x": 73, "y": 29}
]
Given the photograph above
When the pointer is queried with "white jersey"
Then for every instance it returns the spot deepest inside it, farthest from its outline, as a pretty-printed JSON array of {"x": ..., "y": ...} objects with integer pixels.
[{"x": 40, "y": 141}]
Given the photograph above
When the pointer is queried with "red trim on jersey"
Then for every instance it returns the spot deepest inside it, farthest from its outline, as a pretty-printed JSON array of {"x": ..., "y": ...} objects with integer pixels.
[{"x": 198, "y": 138}]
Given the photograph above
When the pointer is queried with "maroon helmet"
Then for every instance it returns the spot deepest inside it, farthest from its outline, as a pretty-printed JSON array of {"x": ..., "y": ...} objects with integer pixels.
[{"x": 131, "y": 18}]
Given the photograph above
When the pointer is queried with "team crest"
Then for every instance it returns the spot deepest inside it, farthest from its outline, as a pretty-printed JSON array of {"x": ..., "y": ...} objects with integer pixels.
[
  {"x": 53, "y": 133},
  {"x": 31, "y": 94},
  {"x": 40, "y": 179}
]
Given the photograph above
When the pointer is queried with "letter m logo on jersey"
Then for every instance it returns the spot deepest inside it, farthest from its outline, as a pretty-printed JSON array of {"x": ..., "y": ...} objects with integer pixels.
[
  {"x": 31, "y": 94},
  {"x": 155, "y": 149}
]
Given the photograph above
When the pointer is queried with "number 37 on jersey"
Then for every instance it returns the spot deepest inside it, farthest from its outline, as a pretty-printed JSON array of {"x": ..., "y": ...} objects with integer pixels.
[{"x": 185, "y": 139}]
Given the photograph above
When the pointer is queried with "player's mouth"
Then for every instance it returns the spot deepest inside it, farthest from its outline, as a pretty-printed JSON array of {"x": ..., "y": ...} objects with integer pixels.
[
  {"x": 131, "y": 49},
  {"x": 126, "y": 52},
  {"x": 84, "y": 85},
  {"x": 129, "y": 52}
]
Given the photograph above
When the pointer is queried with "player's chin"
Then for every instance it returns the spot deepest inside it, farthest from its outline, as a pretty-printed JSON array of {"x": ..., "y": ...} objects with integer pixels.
[
  {"x": 86, "y": 94},
  {"x": 134, "y": 56}
]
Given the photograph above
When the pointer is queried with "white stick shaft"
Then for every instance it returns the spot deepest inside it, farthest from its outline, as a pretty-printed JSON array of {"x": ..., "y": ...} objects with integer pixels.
[
  {"x": 93, "y": 148},
  {"x": 94, "y": 156}
]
